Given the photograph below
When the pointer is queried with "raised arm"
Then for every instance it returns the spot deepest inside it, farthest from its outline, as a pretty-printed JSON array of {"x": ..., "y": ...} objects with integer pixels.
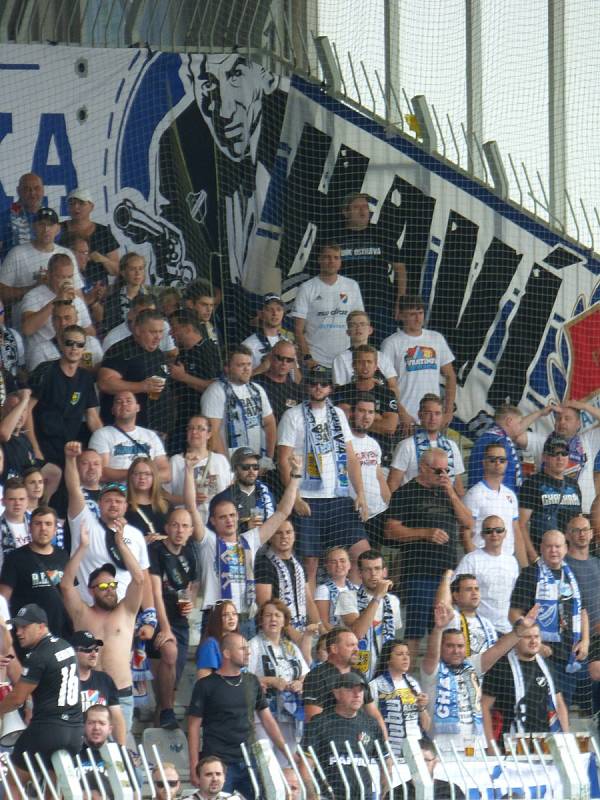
[
  {"x": 11, "y": 419},
  {"x": 443, "y": 615},
  {"x": 286, "y": 504},
  {"x": 70, "y": 594},
  {"x": 72, "y": 482},
  {"x": 133, "y": 594},
  {"x": 509, "y": 640},
  {"x": 189, "y": 498}
]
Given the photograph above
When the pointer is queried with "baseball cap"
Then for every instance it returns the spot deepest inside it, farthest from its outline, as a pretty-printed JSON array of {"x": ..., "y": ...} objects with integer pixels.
[
  {"x": 319, "y": 375},
  {"x": 113, "y": 487},
  {"x": 29, "y": 614},
  {"x": 272, "y": 298},
  {"x": 80, "y": 194},
  {"x": 348, "y": 680},
  {"x": 555, "y": 442},
  {"x": 110, "y": 568},
  {"x": 46, "y": 214},
  {"x": 241, "y": 453},
  {"x": 85, "y": 639}
]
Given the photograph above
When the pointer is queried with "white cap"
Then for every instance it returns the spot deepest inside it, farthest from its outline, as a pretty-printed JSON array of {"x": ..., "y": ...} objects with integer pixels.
[{"x": 80, "y": 194}]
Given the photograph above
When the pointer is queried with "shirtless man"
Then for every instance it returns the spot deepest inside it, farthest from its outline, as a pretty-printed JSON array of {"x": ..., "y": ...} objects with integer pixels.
[{"x": 109, "y": 619}]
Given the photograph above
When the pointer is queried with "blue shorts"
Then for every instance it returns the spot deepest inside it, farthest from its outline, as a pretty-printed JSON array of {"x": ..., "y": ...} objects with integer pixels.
[
  {"x": 333, "y": 523},
  {"x": 419, "y": 595}
]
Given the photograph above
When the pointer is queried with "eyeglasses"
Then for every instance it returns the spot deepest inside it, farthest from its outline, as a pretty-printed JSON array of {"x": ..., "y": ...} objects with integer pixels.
[
  {"x": 248, "y": 467},
  {"x": 579, "y": 530},
  {"x": 172, "y": 783},
  {"x": 487, "y": 531},
  {"x": 284, "y": 359},
  {"x": 93, "y": 649},
  {"x": 106, "y": 585},
  {"x": 73, "y": 343},
  {"x": 440, "y": 470},
  {"x": 496, "y": 459}
]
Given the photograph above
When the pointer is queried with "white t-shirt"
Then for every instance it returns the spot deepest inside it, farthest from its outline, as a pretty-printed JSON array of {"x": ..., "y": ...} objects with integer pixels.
[
  {"x": 281, "y": 664},
  {"x": 322, "y": 593},
  {"x": 23, "y": 263},
  {"x": 122, "y": 451},
  {"x": 418, "y": 361},
  {"x": 217, "y": 477},
  {"x": 325, "y": 309},
  {"x": 4, "y": 612},
  {"x": 213, "y": 405},
  {"x": 35, "y": 300},
  {"x": 97, "y": 553},
  {"x": 405, "y": 459},
  {"x": 348, "y": 604},
  {"x": 496, "y": 576},
  {"x": 46, "y": 350},
  {"x": 401, "y": 704},
  {"x": 290, "y": 433},
  {"x": 368, "y": 453},
  {"x": 343, "y": 371},
  {"x": 483, "y": 501},
  {"x": 237, "y": 574},
  {"x": 429, "y": 686},
  {"x": 257, "y": 347},
  {"x": 122, "y": 331},
  {"x": 590, "y": 440}
]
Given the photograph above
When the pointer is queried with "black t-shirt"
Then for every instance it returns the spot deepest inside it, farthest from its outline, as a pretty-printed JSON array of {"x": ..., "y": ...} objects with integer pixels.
[
  {"x": 552, "y": 502},
  {"x": 34, "y": 578},
  {"x": 18, "y": 456},
  {"x": 281, "y": 395},
  {"x": 499, "y": 683},
  {"x": 331, "y": 727},
  {"x": 416, "y": 506},
  {"x": 61, "y": 404},
  {"x": 134, "y": 364},
  {"x": 52, "y": 665},
  {"x": 175, "y": 572},
  {"x": 265, "y": 572},
  {"x": 227, "y": 711},
  {"x": 101, "y": 241},
  {"x": 157, "y": 518},
  {"x": 99, "y": 689},
  {"x": 385, "y": 403},
  {"x": 321, "y": 680}
]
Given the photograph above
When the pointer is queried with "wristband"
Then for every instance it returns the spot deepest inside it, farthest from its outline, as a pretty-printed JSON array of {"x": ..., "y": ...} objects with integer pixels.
[{"x": 293, "y": 475}]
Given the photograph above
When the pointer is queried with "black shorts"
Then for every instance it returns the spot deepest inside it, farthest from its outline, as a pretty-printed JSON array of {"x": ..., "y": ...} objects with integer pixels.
[
  {"x": 46, "y": 740},
  {"x": 182, "y": 637}
]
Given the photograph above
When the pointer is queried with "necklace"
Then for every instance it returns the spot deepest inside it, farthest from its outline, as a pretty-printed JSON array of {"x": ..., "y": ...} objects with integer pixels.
[{"x": 229, "y": 683}]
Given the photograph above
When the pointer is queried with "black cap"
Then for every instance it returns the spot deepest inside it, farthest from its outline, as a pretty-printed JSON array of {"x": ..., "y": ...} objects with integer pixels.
[
  {"x": 110, "y": 568},
  {"x": 29, "y": 614},
  {"x": 113, "y": 487},
  {"x": 348, "y": 680},
  {"x": 320, "y": 375},
  {"x": 555, "y": 442},
  {"x": 273, "y": 298},
  {"x": 85, "y": 639},
  {"x": 242, "y": 453},
  {"x": 46, "y": 214}
]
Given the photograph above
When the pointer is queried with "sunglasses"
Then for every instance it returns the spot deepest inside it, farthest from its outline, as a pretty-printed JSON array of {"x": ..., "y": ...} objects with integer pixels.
[
  {"x": 487, "y": 531},
  {"x": 73, "y": 343},
  {"x": 319, "y": 383},
  {"x": 92, "y": 649},
  {"x": 441, "y": 470},
  {"x": 496, "y": 459},
  {"x": 555, "y": 453},
  {"x": 248, "y": 467},
  {"x": 161, "y": 784},
  {"x": 106, "y": 585},
  {"x": 284, "y": 359}
]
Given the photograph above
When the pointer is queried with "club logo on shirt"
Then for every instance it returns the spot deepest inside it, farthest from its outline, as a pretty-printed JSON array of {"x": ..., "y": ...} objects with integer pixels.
[
  {"x": 75, "y": 397},
  {"x": 364, "y": 737},
  {"x": 419, "y": 357},
  {"x": 343, "y": 297},
  {"x": 541, "y": 680}
]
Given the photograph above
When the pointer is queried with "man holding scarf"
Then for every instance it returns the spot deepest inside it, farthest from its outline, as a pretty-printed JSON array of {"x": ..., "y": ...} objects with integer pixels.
[
  {"x": 563, "y": 620},
  {"x": 521, "y": 688},
  {"x": 324, "y": 515},
  {"x": 452, "y": 681}
]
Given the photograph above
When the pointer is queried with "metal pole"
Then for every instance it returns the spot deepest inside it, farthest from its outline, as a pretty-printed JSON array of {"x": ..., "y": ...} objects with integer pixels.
[
  {"x": 557, "y": 117},
  {"x": 473, "y": 82},
  {"x": 391, "y": 35}
]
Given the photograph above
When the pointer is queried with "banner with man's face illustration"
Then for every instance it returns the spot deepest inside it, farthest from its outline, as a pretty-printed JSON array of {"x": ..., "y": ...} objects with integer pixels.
[{"x": 211, "y": 166}]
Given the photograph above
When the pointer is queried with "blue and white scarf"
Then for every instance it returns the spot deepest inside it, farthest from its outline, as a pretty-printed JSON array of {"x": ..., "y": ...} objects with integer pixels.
[
  {"x": 334, "y": 593},
  {"x": 372, "y": 642},
  {"x": 286, "y": 706},
  {"x": 223, "y": 570},
  {"x": 554, "y": 725},
  {"x": 315, "y": 450},
  {"x": 293, "y": 593},
  {"x": 393, "y": 710},
  {"x": 491, "y": 637},
  {"x": 548, "y": 596},
  {"x": 446, "y": 716},
  {"x": 423, "y": 443},
  {"x": 235, "y": 415},
  {"x": 511, "y": 451}
]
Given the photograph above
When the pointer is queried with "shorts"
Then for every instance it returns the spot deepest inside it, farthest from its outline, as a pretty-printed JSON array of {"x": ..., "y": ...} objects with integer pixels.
[
  {"x": 46, "y": 740},
  {"x": 419, "y": 596},
  {"x": 182, "y": 637},
  {"x": 333, "y": 523}
]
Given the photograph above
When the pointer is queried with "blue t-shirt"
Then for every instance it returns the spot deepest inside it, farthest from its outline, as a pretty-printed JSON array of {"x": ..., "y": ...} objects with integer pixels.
[{"x": 208, "y": 654}]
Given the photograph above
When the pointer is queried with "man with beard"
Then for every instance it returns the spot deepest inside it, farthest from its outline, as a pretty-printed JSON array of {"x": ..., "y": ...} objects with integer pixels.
[{"x": 251, "y": 497}]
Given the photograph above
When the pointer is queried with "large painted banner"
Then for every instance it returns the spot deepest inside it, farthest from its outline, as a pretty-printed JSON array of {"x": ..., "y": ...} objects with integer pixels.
[{"x": 212, "y": 166}]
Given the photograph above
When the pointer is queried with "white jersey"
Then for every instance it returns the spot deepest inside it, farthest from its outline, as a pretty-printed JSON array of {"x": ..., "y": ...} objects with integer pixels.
[
  {"x": 483, "y": 501},
  {"x": 258, "y": 348},
  {"x": 124, "y": 449},
  {"x": 214, "y": 406},
  {"x": 47, "y": 350},
  {"x": 343, "y": 371},
  {"x": 325, "y": 309},
  {"x": 368, "y": 453},
  {"x": 405, "y": 459},
  {"x": 418, "y": 360},
  {"x": 291, "y": 433},
  {"x": 122, "y": 331},
  {"x": 209, "y": 579},
  {"x": 496, "y": 576},
  {"x": 23, "y": 263}
]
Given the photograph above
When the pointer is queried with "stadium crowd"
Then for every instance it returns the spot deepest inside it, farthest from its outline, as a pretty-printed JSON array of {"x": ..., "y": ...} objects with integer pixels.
[{"x": 298, "y": 501}]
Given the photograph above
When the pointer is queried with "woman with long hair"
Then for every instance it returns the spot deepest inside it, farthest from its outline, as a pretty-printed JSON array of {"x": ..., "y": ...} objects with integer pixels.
[
  {"x": 221, "y": 619},
  {"x": 146, "y": 506},
  {"x": 398, "y": 695},
  {"x": 280, "y": 667},
  {"x": 131, "y": 283}
]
